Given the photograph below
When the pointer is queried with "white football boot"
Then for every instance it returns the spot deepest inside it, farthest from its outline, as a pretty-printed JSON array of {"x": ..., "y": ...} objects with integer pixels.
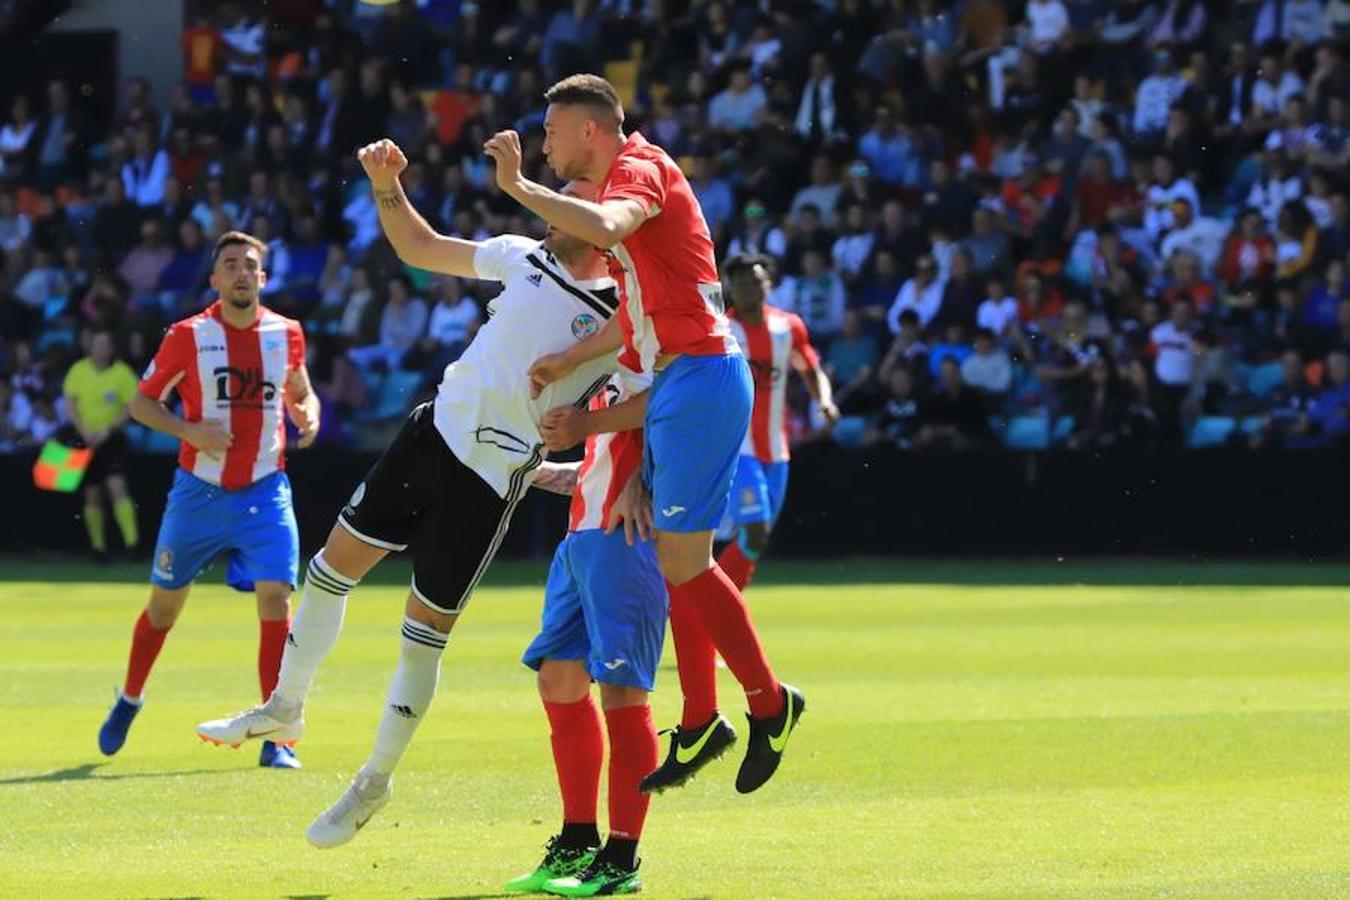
[
  {"x": 367, "y": 795},
  {"x": 272, "y": 721}
]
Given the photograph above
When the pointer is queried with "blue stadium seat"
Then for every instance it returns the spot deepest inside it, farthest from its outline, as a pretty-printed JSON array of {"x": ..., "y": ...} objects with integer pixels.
[
  {"x": 395, "y": 396},
  {"x": 1211, "y": 431},
  {"x": 50, "y": 337},
  {"x": 1063, "y": 428},
  {"x": 1263, "y": 379},
  {"x": 849, "y": 431},
  {"x": 1028, "y": 433}
]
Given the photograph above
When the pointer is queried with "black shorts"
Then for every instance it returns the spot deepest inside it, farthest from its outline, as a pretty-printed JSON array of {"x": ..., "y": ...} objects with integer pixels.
[
  {"x": 418, "y": 496},
  {"x": 109, "y": 459}
]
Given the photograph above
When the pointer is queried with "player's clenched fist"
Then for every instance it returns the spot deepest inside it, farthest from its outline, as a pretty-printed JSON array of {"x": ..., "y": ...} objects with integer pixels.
[
  {"x": 383, "y": 161},
  {"x": 504, "y": 149}
]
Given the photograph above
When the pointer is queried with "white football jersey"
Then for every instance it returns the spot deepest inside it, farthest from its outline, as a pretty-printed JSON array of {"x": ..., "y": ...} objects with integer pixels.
[{"x": 483, "y": 406}]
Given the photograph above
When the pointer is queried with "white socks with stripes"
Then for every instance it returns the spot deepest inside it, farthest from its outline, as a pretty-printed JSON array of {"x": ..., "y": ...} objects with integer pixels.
[
  {"x": 410, "y": 693},
  {"x": 314, "y": 631}
]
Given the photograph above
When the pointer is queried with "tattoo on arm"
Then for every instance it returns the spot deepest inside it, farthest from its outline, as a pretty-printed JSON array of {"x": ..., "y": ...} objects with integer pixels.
[{"x": 389, "y": 199}]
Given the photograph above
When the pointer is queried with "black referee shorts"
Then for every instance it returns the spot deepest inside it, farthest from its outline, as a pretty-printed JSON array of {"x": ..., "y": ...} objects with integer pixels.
[
  {"x": 109, "y": 458},
  {"x": 419, "y": 497}
]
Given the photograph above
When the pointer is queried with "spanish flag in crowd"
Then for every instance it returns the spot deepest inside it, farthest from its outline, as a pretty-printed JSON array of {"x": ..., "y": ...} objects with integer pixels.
[{"x": 60, "y": 468}]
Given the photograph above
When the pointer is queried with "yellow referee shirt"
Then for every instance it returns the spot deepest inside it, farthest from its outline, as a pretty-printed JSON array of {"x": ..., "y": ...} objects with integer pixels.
[{"x": 99, "y": 395}]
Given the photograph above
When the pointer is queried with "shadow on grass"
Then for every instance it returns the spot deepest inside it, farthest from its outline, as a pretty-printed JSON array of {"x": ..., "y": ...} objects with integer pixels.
[
  {"x": 470, "y": 896},
  {"x": 89, "y": 772},
  {"x": 1117, "y": 571}
]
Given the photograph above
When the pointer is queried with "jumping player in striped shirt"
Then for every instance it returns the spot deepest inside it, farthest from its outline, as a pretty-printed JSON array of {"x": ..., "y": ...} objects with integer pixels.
[
  {"x": 604, "y": 619},
  {"x": 672, "y": 323},
  {"x": 235, "y": 367},
  {"x": 773, "y": 340}
]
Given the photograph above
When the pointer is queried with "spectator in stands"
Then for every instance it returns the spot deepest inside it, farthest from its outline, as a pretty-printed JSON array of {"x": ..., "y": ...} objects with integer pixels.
[
  {"x": 1174, "y": 351},
  {"x": 1167, "y": 188},
  {"x": 142, "y": 267},
  {"x": 822, "y": 193},
  {"x": 1286, "y": 422},
  {"x": 890, "y": 152},
  {"x": 182, "y": 281},
  {"x": 59, "y": 139},
  {"x": 818, "y": 113},
  {"x": 817, "y": 295},
  {"x": 1329, "y": 412},
  {"x": 1249, "y": 251},
  {"x": 1296, "y": 242},
  {"x": 922, "y": 294},
  {"x": 15, "y": 138},
  {"x": 998, "y": 312},
  {"x": 988, "y": 368},
  {"x": 15, "y": 230},
  {"x": 738, "y": 107},
  {"x": 16, "y": 415},
  {"x": 988, "y": 246},
  {"x": 952, "y": 416},
  {"x": 454, "y": 321},
  {"x": 714, "y": 194},
  {"x": 853, "y": 248},
  {"x": 143, "y": 175},
  {"x": 402, "y": 324},
  {"x": 851, "y": 360},
  {"x": 897, "y": 422}
]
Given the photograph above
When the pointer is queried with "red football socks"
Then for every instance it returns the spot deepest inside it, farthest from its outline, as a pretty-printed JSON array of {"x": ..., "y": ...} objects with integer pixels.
[
  {"x": 695, "y": 659},
  {"x": 739, "y": 567},
  {"x": 633, "y": 753},
  {"x": 146, "y": 641},
  {"x": 726, "y": 619},
  {"x": 271, "y": 645},
  {"x": 578, "y": 752}
]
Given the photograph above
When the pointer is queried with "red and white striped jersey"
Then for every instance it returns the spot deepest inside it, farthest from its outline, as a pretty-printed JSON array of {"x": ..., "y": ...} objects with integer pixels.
[
  {"x": 237, "y": 377},
  {"x": 768, "y": 348},
  {"x": 611, "y": 459},
  {"x": 666, "y": 270}
]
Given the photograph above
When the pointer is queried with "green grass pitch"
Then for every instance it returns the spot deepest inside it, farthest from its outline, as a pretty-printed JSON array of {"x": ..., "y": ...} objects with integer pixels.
[{"x": 974, "y": 730}]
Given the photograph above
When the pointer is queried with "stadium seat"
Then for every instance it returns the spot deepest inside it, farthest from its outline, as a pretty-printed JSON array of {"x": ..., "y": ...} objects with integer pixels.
[
  {"x": 1263, "y": 379},
  {"x": 52, "y": 336},
  {"x": 1028, "y": 433},
  {"x": 850, "y": 431},
  {"x": 395, "y": 396},
  {"x": 1211, "y": 431},
  {"x": 1063, "y": 428}
]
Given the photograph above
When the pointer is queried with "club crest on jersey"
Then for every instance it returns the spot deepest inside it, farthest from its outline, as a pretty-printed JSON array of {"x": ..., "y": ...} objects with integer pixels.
[{"x": 585, "y": 325}]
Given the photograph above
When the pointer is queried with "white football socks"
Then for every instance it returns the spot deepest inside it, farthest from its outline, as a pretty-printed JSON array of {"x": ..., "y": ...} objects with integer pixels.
[
  {"x": 314, "y": 631},
  {"x": 410, "y": 693}
]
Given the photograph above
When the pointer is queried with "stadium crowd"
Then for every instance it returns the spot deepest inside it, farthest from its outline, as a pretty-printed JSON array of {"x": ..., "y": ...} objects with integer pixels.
[{"x": 1073, "y": 223}]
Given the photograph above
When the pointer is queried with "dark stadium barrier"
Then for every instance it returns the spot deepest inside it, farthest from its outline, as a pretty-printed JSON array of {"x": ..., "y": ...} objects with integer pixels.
[{"x": 883, "y": 502}]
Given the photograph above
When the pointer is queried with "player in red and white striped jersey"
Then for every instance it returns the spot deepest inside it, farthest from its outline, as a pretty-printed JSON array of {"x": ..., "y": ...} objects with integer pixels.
[
  {"x": 773, "y": 341},
  {"x": 235, "y": 367},
  {"x": 604, "y": 618}
]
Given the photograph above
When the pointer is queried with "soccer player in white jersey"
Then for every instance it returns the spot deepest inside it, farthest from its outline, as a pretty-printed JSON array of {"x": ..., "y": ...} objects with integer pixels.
[
  {"x": 604, "y": 618},
  {"x": 447, "y": 485}
]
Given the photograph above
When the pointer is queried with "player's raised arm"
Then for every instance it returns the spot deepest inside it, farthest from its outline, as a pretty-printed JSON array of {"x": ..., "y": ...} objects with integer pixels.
[
  {"x": 600, "y": 224},
  {"x": 415, "y": 241}
]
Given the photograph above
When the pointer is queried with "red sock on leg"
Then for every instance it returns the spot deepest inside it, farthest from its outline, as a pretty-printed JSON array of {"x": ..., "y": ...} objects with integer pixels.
[
  {"x": 578, "y": 751},
  {"x": 725, "y": 617},
  {"x": 695, "y": 659},
  {"x": 146, "y": 641},
  {"x": 633, "y": 753},
  {"x": 271, "y": 645},
  {"x": 739, "y": 567}
]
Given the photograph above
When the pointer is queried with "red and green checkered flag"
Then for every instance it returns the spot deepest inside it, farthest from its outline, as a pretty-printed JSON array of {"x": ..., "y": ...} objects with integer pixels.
[{"x": 60, "y": 468}]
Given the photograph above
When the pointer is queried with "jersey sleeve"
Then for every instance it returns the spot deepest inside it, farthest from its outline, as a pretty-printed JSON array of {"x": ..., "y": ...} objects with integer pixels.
[
  {"x": 495, "y": 257},
  {"x": 295, "y": 340},
  {"x": 171, "y": 361},
  {"x": 640, "y": 180},
  {"x": 801, "y": 342}
]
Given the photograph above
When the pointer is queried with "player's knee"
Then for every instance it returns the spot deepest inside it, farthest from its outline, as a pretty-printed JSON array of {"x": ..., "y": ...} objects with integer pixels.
[
  {"x": 91, "y": 497},
  {"x": 165, "y": 606},
  {"x": 563, "y": 681},
  {"x": 274, "y": 601},
  {"x": 422, "y": 614},
  {"x": 683, "y": 557},
  {"x": 117, "y": 488},
  {"x": 620, "y": 696}
]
